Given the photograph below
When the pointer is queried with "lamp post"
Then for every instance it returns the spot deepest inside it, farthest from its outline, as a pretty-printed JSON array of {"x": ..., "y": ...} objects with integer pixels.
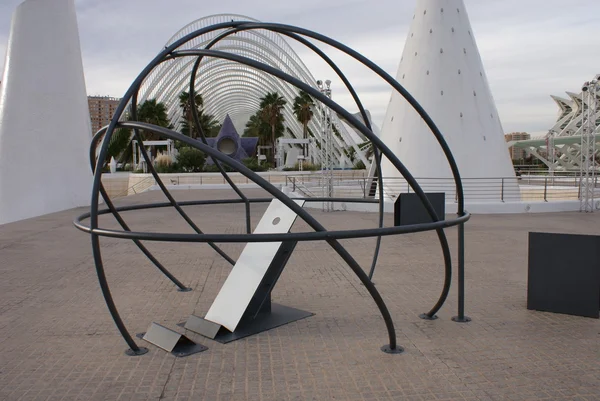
[
  {"x": 326, "y": 145},
  {"x": 588, "y": 144}
]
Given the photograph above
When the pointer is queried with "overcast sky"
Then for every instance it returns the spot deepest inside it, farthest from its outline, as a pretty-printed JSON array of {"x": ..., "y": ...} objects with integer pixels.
[{"x": 530, "y": 48}]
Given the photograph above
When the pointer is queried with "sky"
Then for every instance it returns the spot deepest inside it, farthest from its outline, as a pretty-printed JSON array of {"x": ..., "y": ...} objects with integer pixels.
[{"x": 530, "y": 48}]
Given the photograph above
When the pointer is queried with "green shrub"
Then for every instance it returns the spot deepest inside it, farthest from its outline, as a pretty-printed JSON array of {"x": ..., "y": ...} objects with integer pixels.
[
  {"x": 252, "y": 164},
  {"x": 190, "y": 160},
  {"x": 306, "y": 166},
  {"x": 359, "y": 165}
]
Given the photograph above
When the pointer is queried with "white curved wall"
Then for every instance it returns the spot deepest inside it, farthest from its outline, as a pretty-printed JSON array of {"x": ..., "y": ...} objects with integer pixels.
[
  {"x": 44, "y": 119},
  {"x": 441, "y": 67}
]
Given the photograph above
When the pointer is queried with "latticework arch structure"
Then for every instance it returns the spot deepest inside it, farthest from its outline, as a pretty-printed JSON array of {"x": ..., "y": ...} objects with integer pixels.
[{"x": 234, "y": 89}]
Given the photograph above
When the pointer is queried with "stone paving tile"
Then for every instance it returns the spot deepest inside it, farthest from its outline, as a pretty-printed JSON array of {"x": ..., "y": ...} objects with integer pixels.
[{"x": 57, "y": 341}]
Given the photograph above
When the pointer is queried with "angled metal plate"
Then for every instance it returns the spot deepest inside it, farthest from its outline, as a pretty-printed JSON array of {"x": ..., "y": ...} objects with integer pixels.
[
  {"x": 252, "y": 265},
  {"x": 171, "y": 341},
  {"x": 278, "y": 316},
  {"x": 202, "y": 326}
]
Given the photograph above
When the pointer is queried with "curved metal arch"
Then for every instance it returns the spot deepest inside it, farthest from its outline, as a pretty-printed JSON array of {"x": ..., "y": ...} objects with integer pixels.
[
  {"x": 255, "y": 88},
  {"x": 267, "y": 45},
  {"x": 267, "y": 41},
  {"x": 361, "y": 127},
  {"x": 441, "y": 235},
  {"x": 376, "y": 142},
  {"x": 176, "y": 84}
]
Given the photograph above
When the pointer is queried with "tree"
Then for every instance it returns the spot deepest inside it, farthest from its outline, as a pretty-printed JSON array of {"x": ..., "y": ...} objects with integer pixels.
[
  {"x": 303, "y": 109},
  {"x": 209, "y": 125},
  {"x": 185, "y": 103},
  {"x": 190, "y": 160},
  {"x": 153, "y": 112},
  {"x": 271, "y": 106},
  {"x": 257, "y": 127}
]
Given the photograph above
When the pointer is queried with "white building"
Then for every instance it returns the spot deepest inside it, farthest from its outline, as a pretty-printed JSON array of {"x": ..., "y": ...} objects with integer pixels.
[
  {"x": 441, "y": 67},
  {"x": 560, "y": 148},
  {"x": 45, "y": 127}
]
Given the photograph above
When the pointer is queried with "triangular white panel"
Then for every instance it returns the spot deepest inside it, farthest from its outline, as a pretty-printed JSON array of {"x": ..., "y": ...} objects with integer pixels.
[
  {"x": 441, "y": 67},
  {"x": 45, "y": 126}
]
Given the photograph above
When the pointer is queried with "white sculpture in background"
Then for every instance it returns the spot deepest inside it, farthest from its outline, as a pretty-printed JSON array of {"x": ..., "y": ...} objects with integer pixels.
[
  {"x": 45, "y": 128},
  {"x": 441, "y": 67}
]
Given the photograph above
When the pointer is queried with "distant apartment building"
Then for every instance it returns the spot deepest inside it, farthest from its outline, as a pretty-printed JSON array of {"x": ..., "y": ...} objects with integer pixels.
[
  {"x": 516, "y": 153},
  {"x": 102, "y": 109}
]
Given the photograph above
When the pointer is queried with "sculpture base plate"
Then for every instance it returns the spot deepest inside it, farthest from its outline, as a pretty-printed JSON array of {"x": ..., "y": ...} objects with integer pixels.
[
  {"x": 140, "y": 351},
  {"x": 464, "y": 319},
  {"x": 389, "y": 350},
  {"x": 425, "y": 316},
  {"x": 278, "y": 316}
]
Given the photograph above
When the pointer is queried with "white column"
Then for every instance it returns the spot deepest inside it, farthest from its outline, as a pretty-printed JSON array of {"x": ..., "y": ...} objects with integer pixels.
[
  {"x": 441, "y": 67},
  {"x": 45, "y": 126}
]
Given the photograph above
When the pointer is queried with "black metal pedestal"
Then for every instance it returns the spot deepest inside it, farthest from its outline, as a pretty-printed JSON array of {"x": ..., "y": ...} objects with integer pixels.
[
  {"x": 260, "y": 315},
  {"x": 278, "y": 316}
]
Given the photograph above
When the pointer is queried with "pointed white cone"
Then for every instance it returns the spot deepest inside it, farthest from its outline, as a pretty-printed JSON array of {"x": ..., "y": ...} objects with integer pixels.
[
  {"x": 45, "y": 128},
  {"x": 441, "y": 67}
]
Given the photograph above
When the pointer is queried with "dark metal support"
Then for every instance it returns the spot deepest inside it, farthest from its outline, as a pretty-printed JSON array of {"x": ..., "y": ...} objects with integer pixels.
[
  {"x": 331, "y": 237},
  {"x": 203, "y": 137},
  {"x": 133, "y": 350},
  {"x": 311, "y": 221},
  {"x": 164, "y": 189},
  {"x": 124, "y": 225},
  {"x": 461, "y": 318},
  {"x": 142, "y": 248}
]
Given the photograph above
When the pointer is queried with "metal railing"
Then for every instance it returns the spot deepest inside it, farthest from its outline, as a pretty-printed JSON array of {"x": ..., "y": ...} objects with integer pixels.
[{"x": 501, "y": 189}]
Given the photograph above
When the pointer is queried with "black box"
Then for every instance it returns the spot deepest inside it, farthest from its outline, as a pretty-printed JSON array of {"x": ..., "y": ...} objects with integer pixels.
[
  {"x": 564, "y": 274},
  {"x": 408, "y": 208}
]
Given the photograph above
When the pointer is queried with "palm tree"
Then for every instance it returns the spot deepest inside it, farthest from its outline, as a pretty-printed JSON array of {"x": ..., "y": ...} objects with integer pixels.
[
  {"x": 303, "y": 109},
  {"x": 271, "y": 106},
  {"x": 257, "y": 127},
  {"x": 185, "y": 102},
  {"x": 153, "y": 112},
  {"x": 209, "y": 125}
]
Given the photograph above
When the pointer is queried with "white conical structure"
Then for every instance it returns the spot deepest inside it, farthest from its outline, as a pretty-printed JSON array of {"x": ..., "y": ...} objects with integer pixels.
[
  {"x": 441, "y": 67},
  {"x": 45, "y": 127}
]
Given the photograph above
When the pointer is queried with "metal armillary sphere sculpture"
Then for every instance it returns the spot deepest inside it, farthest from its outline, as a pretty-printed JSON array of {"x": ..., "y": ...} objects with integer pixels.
[{"x": 173, "y": 51}]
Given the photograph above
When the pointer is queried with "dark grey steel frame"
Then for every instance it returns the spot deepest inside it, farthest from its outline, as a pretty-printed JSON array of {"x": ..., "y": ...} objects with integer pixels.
[{"x": 169, "y": 53}]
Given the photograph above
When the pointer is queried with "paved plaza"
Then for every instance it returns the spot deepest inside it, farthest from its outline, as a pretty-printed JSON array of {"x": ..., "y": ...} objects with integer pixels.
[{"x": 58, "y": 342}]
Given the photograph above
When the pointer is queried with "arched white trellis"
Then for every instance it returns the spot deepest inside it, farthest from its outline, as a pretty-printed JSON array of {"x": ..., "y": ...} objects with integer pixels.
[{"x": 235, "y": 89}]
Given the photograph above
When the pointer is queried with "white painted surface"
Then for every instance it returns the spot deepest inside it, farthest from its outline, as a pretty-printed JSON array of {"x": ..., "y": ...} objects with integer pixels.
[
  {"x": 44, "y": 119},
  {"x": 440, "y": 55},
  {"x": 241, "y": 284}
]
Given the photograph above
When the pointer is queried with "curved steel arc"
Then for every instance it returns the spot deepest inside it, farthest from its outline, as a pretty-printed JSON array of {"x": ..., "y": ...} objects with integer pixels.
[
  {"x": 246, "y": 238},
  {"x": 311, "y": 221},
  {"x": 158, "y": 59},
  {"x": 395, "y": 84},
  {"x": 365, "y": 131},
  {"x": 215, "y": 161},
  {"x": 98, "y": 176},
  {"x": 353, "y": 93},
  {"x": 164, "y": 189},
  {"x": 412, "y": 101}
]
